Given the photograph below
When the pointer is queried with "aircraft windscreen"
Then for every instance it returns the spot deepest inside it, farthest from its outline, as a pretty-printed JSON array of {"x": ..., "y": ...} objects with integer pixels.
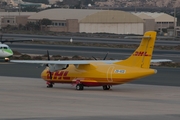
[{"x": 5, "y": 47}]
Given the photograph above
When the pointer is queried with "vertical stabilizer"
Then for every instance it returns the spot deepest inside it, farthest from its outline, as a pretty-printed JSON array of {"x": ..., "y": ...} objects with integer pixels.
[{"x": 143, "y": 54}]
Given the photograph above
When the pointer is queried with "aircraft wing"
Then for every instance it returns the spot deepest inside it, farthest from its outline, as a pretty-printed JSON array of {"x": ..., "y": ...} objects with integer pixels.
[
  {"x": 62, "y": 61},
  {"x": 77, "y": 62},
  {"x": 160, "y": 60}
]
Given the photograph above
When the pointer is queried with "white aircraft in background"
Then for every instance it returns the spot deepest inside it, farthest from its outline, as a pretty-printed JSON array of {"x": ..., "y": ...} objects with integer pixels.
[{"x": 5, "y": 50}]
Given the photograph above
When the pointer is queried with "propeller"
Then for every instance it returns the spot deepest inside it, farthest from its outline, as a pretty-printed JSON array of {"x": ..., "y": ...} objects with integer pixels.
[
  {"x": 103, "y": 58},
  {"x": 48, "y": 56}
]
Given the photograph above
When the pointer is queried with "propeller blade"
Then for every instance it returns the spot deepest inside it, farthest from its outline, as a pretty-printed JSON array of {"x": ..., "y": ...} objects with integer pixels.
[
  {"x": 48, "y": 55},
  {"x": 106, "y": 56},
  {"x": 94, "y": 57}
]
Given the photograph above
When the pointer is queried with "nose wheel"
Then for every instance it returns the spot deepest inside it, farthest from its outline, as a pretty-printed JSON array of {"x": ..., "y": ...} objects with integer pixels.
[
  {"x": 50, "y": 84},
  {"x": 6, "y": 59}
]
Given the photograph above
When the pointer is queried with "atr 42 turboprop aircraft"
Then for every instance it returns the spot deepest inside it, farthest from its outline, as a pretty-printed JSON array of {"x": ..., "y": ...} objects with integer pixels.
[
  {"x": 5, "y": 50},
  {"x": 105, "y": 73}
]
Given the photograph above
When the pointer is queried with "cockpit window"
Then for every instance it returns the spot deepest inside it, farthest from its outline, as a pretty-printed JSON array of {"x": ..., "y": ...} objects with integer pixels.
[
  {"x": 0, "y": 47},
  {"x": 5, "y": 47}
]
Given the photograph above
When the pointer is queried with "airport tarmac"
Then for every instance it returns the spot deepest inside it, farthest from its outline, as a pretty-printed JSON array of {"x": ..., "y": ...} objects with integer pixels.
[{"x": 28, "y": 99}]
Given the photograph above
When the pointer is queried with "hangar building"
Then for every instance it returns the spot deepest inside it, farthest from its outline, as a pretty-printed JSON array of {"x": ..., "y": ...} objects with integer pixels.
[
  {"x": 91, "y": 21},
  {"x": 162, "y": 20},
  {"x": 117, "y": 22},
  {"x": 63, "y": 20}
]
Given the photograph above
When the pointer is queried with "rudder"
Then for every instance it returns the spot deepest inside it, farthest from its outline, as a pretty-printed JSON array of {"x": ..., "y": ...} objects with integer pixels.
[{"x": 143, "y": 54}]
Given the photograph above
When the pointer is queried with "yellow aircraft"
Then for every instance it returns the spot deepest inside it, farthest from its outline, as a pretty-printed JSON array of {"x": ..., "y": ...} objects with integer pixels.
[{"x": 103, "y": 73}]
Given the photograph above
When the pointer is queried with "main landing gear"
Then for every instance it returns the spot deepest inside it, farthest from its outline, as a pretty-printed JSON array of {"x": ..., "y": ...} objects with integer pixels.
[
  {"x": 79, "y": 87},
  {"x": 106, "y": 87},
  {"x": 50, "y": 84}
]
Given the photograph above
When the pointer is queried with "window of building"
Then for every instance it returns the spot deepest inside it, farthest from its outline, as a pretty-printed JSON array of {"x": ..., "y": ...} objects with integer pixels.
[
  {"x": 8, "y": 21},
  {"x": 63, "y": 24},
  {"x": 164, "y": 22}
]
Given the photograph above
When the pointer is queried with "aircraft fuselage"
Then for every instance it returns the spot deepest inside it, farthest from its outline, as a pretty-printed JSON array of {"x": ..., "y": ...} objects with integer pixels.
[{"x": 96, "y": 74}]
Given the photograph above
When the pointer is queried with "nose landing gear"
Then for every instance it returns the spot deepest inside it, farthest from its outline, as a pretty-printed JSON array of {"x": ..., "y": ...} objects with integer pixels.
[
  {"x": 6, "y": 59},
  {"x": 50, "y": 84}
]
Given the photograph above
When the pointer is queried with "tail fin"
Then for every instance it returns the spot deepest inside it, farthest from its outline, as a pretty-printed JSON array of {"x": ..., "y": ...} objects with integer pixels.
[{"x": 143, "y": 54}]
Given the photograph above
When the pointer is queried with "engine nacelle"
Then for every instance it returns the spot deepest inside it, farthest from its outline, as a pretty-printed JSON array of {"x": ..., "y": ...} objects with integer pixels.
[{"x": 55, "y": 67}]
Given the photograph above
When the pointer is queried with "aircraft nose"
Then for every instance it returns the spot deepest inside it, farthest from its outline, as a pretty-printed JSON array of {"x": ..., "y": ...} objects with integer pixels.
[{"x": 9, "y": 52}]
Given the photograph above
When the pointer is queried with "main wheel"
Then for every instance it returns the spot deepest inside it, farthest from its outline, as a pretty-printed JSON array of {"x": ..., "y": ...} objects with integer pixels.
[
  {"x": 106, "y": 87},
  {"x": 79, "y": 87}
]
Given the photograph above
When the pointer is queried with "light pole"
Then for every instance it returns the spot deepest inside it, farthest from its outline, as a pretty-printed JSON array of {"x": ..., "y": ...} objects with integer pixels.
[{"x": 174, "y": 21}]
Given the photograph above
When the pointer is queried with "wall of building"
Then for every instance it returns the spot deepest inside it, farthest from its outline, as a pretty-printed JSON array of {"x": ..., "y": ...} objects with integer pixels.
[
  {"x": 72, "y": 25},
  {"x": 161, "y": 25},
  {"x": 57, "y": 29},
  {"x": 8, "y": 20},
  {"x": 21, "y": 20},
  {"x": 149, "y": 25},
  {"x": 119, "y": 28},
  {"x": 69, "y": 25},
  {"x": 13, "y": 20}
]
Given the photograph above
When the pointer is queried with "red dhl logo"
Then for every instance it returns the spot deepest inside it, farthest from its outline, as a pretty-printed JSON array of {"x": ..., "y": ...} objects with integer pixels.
[
  {"x": 140, "y": 53},
  {"x": 58, "y": 75}
]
